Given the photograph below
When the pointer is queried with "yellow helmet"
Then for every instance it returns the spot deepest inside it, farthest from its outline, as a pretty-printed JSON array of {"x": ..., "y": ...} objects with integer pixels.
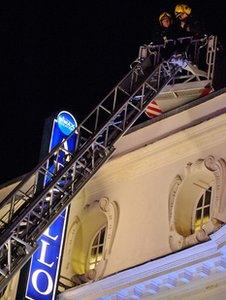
[
  {"x": 182, "y": 9},
  {"x": 164, "y": 15}
]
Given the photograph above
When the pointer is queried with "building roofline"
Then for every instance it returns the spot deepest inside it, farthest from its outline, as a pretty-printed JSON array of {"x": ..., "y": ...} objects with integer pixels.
[
  {"x": 153, "y": 130},
  {"x": 177, "y": 110},
  {"x": 137, "y": 127},
  {"x": 12, "y": 181}
]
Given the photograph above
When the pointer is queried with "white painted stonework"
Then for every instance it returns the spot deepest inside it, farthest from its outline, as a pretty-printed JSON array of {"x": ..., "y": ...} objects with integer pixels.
[
  {"x": 194, "y": 273},
  {"x": 136, "y": 196},
  {"x": 138, "y": 180}
]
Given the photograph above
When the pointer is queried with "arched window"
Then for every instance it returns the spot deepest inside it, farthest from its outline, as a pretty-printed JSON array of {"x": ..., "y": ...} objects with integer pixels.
[
  {"x": 97, "y": 249},
  {"x": 202, "y": 214},
  {"x": 197, "y": 202},
  {"x": 88, "y": 247}
]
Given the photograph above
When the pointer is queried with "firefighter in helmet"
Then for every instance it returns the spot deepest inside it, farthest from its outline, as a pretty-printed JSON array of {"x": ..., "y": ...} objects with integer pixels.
[
  {"x": 185, "y": 24},
  {"x": 166, "y": 34},
  {"x": 166, "y": 27}
]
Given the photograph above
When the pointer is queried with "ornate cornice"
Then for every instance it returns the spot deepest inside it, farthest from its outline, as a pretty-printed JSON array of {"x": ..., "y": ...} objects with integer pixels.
[{"x": 192, "y": 270}]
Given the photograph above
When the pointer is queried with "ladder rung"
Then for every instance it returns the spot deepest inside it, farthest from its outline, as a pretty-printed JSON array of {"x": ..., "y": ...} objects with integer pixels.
[
  {"x": 46, "y": 171},
  {"x": 65, "y": 150},
  {"x": 125, "y": 92},
  {"x": 131, "y": 104},
  {"x": 86, "y": 129},
  {"x": 83, "y": 166},
  {"x": 113, "y": 124},
  {"x": 105, "y": 109},
  {"x": 24, "y": 194}
]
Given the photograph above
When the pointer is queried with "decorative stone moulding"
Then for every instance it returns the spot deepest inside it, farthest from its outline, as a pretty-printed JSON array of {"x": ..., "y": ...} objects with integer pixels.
[
  {"x": 111, "y": 211},
  {"x": 198, "y": 272},
  {"x": 102, "y": 212},
  {"x": 185, "y": 192}
]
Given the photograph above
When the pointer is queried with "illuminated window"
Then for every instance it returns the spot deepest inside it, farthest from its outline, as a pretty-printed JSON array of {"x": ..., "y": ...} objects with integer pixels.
[
  {"x": 97, "y": 248},
  {"x": 203, "y": 209}
]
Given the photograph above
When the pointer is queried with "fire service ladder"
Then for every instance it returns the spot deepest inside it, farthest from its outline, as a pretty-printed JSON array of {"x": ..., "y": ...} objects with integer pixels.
[{"x": 31, "y": 207}]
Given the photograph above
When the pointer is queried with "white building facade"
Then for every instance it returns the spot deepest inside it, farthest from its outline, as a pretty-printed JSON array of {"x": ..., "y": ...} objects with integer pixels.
[{"x": 163, "y": 191}]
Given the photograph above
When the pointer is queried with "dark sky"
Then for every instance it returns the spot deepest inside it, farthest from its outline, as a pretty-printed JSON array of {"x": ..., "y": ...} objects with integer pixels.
[{"x": 68, "y": 56}]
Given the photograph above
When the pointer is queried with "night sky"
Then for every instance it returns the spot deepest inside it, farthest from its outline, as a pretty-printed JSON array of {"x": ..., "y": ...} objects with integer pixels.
[{"x": 67, "y": 57}]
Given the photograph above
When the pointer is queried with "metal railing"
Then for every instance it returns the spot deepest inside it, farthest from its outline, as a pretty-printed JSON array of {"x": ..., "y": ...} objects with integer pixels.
[{"x": 201, "y": 52}]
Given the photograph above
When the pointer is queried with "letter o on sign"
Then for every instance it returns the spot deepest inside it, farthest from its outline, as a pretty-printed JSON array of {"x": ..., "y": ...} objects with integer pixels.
[{"x": 34, "y": 280}]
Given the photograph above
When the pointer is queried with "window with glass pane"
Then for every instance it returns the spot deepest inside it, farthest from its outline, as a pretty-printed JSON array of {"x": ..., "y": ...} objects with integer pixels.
[
  {"x": 203, "y": 209},
  {"x": 96, "y": 251}
]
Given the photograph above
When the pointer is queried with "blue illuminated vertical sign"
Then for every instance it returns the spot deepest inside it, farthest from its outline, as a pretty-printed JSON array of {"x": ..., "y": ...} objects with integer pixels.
[{"x": 45, "y": 263}]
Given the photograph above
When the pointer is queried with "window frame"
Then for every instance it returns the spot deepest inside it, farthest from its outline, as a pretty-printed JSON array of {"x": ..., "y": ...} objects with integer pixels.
[
  {"x": 183, "y": 200},
  {"x": 97, "y": 246},
  {"x": 204, "y": 205}
]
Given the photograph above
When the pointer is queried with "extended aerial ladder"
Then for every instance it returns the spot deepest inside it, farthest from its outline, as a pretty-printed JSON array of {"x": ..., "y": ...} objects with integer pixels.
[{"x": 31, "y": 207}]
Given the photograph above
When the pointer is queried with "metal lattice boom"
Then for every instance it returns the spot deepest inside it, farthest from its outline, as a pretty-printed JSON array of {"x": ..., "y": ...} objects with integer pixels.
[{"x": 30, "y": 208}]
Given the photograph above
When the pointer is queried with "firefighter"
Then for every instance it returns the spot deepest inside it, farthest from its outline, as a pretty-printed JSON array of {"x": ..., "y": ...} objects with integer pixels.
[
  {"x": 165, "y": 35},
  {"x": 186, "y": 28},
  {"x": 165, "y": 31},
  {"x": 186, "y": 25}
]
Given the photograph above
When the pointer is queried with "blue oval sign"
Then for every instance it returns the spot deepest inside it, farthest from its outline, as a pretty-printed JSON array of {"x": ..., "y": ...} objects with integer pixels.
[{"x": 66, "y": 122}]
